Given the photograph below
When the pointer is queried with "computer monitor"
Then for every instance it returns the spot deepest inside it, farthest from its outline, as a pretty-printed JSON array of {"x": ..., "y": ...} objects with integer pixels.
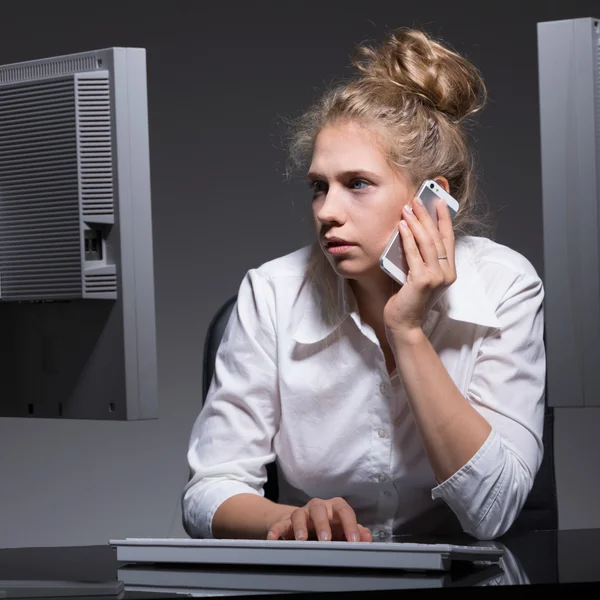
[{"x": 77, "y": 314}]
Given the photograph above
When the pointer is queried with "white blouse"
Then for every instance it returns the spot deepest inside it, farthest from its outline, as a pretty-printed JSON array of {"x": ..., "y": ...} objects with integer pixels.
[{"x": 315, "y": 395}]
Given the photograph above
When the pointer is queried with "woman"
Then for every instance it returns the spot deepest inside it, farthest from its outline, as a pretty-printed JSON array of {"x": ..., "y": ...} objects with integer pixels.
[{"x": 388, "y": 410}]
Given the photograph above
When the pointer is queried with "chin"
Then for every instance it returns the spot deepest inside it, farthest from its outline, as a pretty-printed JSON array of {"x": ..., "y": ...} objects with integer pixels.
[{"x": 353, "y": 269}]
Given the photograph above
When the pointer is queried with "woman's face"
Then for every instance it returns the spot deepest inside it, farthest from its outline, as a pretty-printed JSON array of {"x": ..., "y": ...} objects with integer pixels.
[{"x": 357, "y": 197}]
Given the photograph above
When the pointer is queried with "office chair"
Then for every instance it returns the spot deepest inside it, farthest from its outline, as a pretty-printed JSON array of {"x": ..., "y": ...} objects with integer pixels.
[{"x": 540, "y": 510}]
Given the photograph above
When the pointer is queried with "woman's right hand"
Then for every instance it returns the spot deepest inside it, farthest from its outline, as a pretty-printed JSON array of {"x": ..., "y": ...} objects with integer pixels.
[{"x": 323, "y": 520}]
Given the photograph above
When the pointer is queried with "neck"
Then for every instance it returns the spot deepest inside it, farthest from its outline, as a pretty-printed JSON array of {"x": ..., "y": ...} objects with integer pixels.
[{"x": 372, "y": 293}]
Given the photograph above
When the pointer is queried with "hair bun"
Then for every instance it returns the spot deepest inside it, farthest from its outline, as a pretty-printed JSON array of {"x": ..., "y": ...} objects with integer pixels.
[{"x": 416, "y": 64}]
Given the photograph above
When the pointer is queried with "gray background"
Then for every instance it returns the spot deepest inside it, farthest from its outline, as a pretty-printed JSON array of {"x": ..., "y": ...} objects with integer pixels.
[{"x": 219, "y": 78}]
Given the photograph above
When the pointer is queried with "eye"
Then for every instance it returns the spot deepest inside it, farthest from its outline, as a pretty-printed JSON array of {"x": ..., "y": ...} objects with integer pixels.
[
  {"x": 317, "y": 186},
  {"x": 355, "y": 183}
]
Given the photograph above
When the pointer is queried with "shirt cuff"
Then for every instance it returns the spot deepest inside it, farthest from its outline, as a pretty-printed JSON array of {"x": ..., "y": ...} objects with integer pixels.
[
  {"x": 469, "y": 492},
  {"x": 202, "y": 504}
]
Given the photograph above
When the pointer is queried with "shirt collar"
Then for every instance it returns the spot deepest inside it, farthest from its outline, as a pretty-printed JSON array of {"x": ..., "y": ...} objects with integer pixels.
[
  {"x": 465, "y": 300},
  {"x": 316, "y": 318}
]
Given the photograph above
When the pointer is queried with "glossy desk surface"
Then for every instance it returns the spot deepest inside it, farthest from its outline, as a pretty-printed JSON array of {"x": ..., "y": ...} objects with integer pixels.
[{"x": 566, "y": 558}]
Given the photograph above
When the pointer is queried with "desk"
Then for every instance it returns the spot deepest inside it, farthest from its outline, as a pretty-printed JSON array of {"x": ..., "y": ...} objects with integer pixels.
[{"x": 569, "y": 558}]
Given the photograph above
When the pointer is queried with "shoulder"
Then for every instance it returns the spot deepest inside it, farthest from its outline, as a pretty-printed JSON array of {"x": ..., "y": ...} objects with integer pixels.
[
  {"x": 493, "y": 259},
  {"x": 275, "y": 292},
  {"x": 492, "y": 279},
  {"x": 504, "y": 274},
  {"x": 294, "y": 264},
  {"x": 282, "y": 274}
]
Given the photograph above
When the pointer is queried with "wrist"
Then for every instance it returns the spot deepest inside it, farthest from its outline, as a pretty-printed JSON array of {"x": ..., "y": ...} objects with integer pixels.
[
  {"x": 279, "y": 512},
  {"x": 406, "y": 336}
]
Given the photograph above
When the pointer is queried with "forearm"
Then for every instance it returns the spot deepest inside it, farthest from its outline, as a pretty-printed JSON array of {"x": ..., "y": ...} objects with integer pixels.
[
  {"x": 452, "y": 431},
  {"x": 247, "y": 516}
]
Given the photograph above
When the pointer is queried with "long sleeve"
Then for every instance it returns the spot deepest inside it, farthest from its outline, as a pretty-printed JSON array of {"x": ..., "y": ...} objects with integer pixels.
[
  {"x": 507, "y": 388},
  {"x": 232, "y": 439}
]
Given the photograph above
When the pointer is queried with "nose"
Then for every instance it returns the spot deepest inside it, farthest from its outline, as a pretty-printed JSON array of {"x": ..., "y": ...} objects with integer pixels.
[{"x": 330, "y": 209}]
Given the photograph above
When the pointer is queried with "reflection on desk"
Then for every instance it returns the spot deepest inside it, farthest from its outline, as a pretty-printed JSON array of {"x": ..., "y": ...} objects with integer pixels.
[
  {"x": 236, "y": 580},
  {"x": 536, "y": 558}
]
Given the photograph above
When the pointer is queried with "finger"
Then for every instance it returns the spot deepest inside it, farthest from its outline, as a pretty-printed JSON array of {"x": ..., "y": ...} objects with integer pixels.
[
  {"x": 446, "y": 230},
  {"x": 281, "y": 530},
  {"x": 320, "y": 521},
  {"x": 299, "y": 520},
  {"x": 347, "y": 518},
  {"x": 337, "y": 531},
  {"x": 429, "y": 224},
  {"x": 411, "y": 252},
  {"x": 365, "y": 534},
  {"x": 422, "y": 213},
  {"x": 403, "y": 262},
  {"x": 425, "y": 241}
]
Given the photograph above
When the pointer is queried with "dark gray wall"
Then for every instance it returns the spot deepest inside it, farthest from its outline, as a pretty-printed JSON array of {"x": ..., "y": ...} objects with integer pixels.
[{"x": 219, "y": 77}]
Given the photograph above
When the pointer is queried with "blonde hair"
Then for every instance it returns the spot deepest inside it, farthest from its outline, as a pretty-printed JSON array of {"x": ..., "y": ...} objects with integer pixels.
[{"x": 419, "y": 95}]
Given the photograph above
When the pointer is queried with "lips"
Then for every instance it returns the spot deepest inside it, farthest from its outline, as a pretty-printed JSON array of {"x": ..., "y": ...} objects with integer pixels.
[{"x": 332, "y": 242}]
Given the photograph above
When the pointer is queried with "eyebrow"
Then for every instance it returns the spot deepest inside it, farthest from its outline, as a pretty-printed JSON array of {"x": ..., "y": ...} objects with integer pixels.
[{"x": 313, "y": 175}]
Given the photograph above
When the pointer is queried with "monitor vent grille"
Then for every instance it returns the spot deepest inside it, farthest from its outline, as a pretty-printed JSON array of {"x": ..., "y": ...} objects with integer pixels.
[
  {"x": 100, "y": 284},
  {"x": 48, "y": 68},
  {"x": 95, "y": 146},
  {"x": 39, "y": 201}
]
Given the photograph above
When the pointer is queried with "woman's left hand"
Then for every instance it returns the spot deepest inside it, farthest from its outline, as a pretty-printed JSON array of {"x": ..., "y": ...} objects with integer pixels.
[{"x": 429, "y": 253}]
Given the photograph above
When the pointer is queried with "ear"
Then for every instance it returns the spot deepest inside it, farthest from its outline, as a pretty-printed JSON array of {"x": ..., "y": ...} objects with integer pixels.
[{"x": 442, "y": 181}]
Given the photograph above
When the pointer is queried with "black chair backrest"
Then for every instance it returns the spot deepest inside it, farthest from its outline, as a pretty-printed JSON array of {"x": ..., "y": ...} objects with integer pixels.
[
  {"x": 540, "y": 510},
  {"x": 211, "y": 342}
]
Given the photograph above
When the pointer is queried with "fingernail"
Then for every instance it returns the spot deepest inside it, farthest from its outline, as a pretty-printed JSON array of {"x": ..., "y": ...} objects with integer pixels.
[
  {"x": 300, "y": 534},
  {"x": 419, "y": 201},
  {"x": 354, "y": 537},
  {"x": 270, "y": 535},
  {"x": 403, "y": 223},
  {"x": 408, "y": 208},
  {"x": 324, "y": 536}
]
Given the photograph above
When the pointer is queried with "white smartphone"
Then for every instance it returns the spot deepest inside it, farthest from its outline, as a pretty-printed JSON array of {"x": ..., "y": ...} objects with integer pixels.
[{"x": 392, "y": 260}]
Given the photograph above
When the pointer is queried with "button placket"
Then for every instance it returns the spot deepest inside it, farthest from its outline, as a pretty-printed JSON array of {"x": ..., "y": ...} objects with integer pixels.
[{"x": 380, "y": 430}]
